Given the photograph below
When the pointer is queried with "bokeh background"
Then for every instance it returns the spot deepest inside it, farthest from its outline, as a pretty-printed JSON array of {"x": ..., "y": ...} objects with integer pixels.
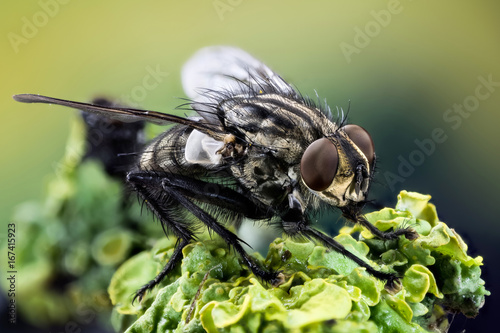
[{"x": 405, "y": 66}]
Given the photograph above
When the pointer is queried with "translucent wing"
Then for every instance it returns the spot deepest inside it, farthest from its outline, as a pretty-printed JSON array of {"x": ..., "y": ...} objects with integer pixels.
[
  {"x": 227, "y": 69},
  {"x": 202, "y": 149}
]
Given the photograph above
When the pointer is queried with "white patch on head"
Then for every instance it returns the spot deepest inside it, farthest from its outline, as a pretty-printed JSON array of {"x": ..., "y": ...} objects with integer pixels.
[{"x": 201, "y": 149}]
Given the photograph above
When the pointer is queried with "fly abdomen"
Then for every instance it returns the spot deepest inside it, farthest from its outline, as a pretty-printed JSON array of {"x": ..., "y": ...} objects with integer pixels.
[{"x": 167, "y": 151}]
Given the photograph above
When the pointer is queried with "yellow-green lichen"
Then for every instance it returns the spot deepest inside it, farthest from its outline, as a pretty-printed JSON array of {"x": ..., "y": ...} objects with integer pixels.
[{"x": 322, "y": 292}]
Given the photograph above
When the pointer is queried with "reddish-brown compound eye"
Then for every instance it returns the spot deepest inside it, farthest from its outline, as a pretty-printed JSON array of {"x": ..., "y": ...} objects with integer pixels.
[
  {"x": 319, "y": 164},
  {"x": 362, "y": 139}
]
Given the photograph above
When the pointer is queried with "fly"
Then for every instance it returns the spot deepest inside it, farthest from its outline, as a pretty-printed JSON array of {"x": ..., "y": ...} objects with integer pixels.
[{"x": 257, "y": 149}]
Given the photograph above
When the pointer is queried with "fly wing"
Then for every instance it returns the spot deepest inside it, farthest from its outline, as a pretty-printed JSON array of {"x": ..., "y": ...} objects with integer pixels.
[
  {"x": 123, "y": 114},
  {"x": 217, "y": 71}
]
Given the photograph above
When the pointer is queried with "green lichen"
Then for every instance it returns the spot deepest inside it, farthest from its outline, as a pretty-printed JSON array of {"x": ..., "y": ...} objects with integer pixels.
[
  {"x": 71, "y": 242},
  {"x": 322, "y": 292}
]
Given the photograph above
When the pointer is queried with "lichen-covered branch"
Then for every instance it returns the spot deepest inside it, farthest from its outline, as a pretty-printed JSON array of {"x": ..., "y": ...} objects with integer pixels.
[{"x": 323, "y": 291}]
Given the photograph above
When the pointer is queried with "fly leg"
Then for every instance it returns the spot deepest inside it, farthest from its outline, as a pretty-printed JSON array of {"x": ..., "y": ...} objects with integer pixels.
[
  {"x": 295, "y": 224},
  {"x": 408, "y": 232},
  {"x": 174, "y": 260},
  {"x": 184, "y": 191},
  {"x": 164, "y": 209},
  {"x": 355, "y": 216},
  {"x": 217, "y": 195},
  {"x": 392, "y": 279},
  {"x": 230, "y": 238}
]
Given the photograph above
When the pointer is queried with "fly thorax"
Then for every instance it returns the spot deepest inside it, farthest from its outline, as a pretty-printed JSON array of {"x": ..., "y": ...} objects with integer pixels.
[
  {"x": 262, "y": 175},
  {"x": 166, "y": 151}
]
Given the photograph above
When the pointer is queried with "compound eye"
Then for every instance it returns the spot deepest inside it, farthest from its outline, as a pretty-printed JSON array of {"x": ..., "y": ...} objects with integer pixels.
[
  {"x": 362, "y": 139},
  {"x": 319, "y": 164}
]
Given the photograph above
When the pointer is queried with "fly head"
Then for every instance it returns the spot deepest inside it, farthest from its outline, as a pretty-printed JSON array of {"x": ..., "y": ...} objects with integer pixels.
[{"x": 338, "y": 167}]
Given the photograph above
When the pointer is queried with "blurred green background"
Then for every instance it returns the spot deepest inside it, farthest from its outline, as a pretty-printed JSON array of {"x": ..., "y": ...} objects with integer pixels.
[{"x": 401, "y": 64}]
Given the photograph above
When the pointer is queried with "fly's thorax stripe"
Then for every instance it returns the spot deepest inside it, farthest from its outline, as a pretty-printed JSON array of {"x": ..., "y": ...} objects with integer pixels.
[
  {"x": 302, "y": 111},
  {"x": 272, "y": 101},
  {"x": 314, "y": 123}
]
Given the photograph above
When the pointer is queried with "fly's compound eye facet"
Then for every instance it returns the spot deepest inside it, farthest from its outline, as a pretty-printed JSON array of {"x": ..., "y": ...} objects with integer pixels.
[
  {"x": 319, "y": 164},
  {"x": 362, "y": 139}
]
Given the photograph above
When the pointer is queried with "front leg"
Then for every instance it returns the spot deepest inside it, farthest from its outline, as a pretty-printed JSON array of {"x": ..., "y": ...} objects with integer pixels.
[
  {"x": 353, "y": 213},
  {"x": 295, "y": 224},
  {"x": 391, "y": 279}
]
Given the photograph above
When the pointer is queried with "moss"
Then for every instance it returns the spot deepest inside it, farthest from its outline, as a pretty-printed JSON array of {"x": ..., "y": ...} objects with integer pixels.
[{"x": 323, "y": 291}]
